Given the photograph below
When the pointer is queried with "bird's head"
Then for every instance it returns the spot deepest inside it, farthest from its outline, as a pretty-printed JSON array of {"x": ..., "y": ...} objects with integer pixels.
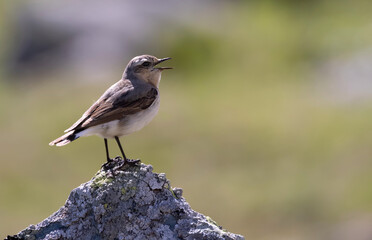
[{"x": 145, "y": 68}]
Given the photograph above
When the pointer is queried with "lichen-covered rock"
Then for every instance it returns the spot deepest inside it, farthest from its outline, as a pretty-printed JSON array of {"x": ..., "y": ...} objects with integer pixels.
[{"x": 129, "y": 202}]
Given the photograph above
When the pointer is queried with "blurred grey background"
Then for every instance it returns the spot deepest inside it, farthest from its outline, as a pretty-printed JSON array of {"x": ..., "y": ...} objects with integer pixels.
[{"x": 265, "y": 121}]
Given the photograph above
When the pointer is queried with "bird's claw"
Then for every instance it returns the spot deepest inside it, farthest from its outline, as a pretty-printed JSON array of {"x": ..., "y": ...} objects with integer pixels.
[
  {"x": 133, "y": 161},
  {"x": 118, "y": 162},
  {"x": 107, "y": 164}
]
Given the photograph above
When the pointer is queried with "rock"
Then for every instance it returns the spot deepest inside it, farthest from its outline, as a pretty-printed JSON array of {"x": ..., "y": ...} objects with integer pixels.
[{"x": 126, "y": 202}]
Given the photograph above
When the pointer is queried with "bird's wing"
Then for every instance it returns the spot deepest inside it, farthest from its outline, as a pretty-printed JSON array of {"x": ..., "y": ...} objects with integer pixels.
[
  {"x": 116, "y": 110},
  {"x": 115, "y": 104}
]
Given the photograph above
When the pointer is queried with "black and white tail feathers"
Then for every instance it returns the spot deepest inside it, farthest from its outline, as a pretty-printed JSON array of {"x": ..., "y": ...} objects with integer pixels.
[{"x": 65, "y": 139}]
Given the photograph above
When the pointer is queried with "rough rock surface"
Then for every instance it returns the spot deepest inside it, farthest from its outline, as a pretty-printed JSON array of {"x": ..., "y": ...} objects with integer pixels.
[{"x": 126, "y": 202}]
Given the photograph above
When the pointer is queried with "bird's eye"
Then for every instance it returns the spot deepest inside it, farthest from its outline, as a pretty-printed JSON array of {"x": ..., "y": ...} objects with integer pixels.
[{"x": 146, "y": 64}]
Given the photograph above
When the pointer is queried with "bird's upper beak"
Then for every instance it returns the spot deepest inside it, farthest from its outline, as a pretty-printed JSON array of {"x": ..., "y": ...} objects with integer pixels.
[{"x": 162, "y": 60}]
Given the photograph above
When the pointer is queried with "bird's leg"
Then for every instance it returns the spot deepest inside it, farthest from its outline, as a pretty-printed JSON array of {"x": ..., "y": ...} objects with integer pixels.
[
  {"x": 109, "y": 160},
  {"x": 107, "y": 151},
  {"x": 126, "y": 160},
  {"x": 121, "y": 149}
]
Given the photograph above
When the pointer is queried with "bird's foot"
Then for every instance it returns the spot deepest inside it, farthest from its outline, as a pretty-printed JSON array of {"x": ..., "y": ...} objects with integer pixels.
[
  {"x": 118, "y": 163},
  {"x": 133, "y": 161},
  {"x": 125, "y": 162},
  {"x": 107, "y": 165}
]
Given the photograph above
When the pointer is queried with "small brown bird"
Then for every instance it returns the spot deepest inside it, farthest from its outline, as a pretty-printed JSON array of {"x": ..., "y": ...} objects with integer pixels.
[{"x": 126, "y": 107}]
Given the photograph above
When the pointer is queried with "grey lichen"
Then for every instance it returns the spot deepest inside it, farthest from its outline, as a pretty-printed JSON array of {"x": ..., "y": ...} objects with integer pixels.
[{"x": 129, "y": 202}]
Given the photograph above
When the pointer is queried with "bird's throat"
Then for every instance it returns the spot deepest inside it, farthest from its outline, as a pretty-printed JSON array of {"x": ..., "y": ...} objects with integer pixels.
[{"x": 155, "y": 79}]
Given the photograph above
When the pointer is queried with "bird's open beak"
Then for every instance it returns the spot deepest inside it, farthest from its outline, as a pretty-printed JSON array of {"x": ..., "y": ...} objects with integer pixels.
[{"x": 162, "y": 60}]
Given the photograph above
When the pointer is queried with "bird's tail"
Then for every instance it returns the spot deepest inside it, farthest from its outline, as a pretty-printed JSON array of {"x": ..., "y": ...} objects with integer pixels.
[{"x": 65, "y": 139}]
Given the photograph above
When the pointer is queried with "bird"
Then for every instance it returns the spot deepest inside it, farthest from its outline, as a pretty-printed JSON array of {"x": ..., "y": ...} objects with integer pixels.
[{"x": 125, "y": 107}]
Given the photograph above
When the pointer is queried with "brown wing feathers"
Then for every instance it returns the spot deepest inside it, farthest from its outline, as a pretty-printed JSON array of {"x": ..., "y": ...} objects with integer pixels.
[{"x": 113, "y": 109}]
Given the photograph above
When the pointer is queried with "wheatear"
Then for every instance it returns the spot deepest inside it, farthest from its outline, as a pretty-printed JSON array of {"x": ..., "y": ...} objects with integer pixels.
[{"x": 126, "y": 107}]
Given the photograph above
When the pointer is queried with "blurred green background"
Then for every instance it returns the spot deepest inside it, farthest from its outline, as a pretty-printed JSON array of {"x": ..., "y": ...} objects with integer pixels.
[{"x": 265, "y": 121}]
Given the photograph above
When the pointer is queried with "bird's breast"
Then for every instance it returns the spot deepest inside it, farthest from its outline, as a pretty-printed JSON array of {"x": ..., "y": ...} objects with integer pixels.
[{"x": 137, "y": 121}]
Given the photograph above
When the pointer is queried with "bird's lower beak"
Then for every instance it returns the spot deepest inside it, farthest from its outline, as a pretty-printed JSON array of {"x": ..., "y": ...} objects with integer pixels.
[{"x": 162, "y": 60}]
